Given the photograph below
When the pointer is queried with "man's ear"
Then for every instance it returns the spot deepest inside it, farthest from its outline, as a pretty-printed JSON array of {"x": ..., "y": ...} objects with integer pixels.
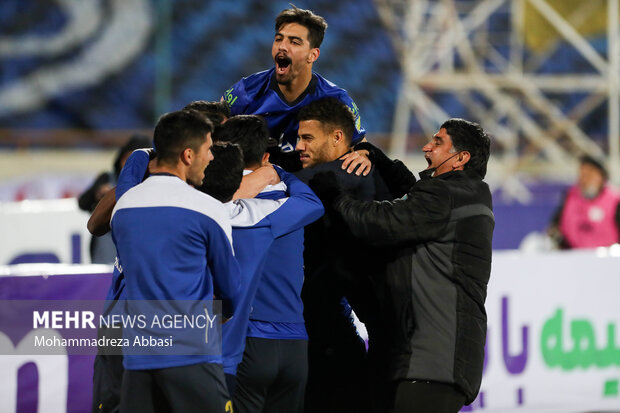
[
  {"x": 314, "y": 55},
  {"x": 338, "y": 137},
  {"x": 461, "y": 160},
  {"x": 187, "y": 156},
  {"x": 265, "y": 159}
]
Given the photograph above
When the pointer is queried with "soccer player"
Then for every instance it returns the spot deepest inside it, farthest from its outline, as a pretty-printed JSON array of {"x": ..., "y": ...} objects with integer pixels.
[
  {"x": 174, "y": 243},
  {"x": 339, "y": 379},
  {"x": 272, "y": 374},
  {"x": 256, "y": 223},
  {"x": 278, "y": 94}
]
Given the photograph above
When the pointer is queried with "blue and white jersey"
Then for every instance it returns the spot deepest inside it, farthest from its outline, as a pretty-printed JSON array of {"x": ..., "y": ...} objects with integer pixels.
[
  {"x": 256, "y": 223},
  {"x": 277, "y": 309},
  {"x": 117, "y": 287},
  {"x": 175, "y": 243},
  {"x": 258, "y": 94}
]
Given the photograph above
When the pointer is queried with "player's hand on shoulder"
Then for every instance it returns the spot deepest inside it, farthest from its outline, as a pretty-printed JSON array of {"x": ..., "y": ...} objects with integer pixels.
[{"x": 269, "y": 173}]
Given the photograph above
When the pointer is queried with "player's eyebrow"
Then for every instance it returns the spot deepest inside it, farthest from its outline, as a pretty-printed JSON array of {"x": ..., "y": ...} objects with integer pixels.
[{"x": 290, "y": 37}]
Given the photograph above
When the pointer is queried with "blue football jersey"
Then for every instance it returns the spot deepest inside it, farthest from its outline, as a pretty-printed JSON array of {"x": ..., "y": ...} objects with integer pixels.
[
  {"x": 259, "y": 94},
  {"x": 175, "y": 245},
  {"x": 256, "y": 223}
]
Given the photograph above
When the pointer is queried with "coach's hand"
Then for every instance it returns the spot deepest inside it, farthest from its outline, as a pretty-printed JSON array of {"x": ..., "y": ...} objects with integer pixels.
[{"x": 357, "y": 161}]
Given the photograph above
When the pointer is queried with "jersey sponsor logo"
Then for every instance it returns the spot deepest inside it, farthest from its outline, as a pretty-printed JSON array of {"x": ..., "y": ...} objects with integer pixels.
[
  {"x": 358, "y": 118},
  {"x": 229, "y": 97}
]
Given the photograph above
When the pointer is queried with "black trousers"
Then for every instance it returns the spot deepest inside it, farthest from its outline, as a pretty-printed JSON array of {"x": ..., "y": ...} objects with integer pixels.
[
  {"x": 107, "y": 374},
  {"x": 185, "y": 389},
  {"x": 416, "y": 396},
  {"x": 107, "y": 379},
  {"x": 272, "y": 376},
  {"x": 338, "y": 375}
]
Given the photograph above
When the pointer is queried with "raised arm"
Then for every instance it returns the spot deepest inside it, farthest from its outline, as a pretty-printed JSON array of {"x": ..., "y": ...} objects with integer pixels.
[
  {"x": 135, "y": 170},
  {"x": 302, "y": 207},
  {"x": 132, "y": 174},
  {"x": 99, "y": 221}
]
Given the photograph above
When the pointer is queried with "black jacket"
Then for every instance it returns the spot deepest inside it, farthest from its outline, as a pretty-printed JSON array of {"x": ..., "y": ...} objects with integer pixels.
[
  {"x": 331, "y": 268},
  {"x": 437, "y": 274}
]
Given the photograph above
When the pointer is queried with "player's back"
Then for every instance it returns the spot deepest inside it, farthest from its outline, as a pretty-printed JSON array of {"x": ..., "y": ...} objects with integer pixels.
[
  {"x": 165, "y": 232},
  {"x": 174, "y": 244}
]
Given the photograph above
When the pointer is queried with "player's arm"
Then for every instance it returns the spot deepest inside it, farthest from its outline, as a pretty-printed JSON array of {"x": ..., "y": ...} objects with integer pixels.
[
  {"x": 236, "y": 97},
  {"x": 252, "y": 184},
  {"x": 99, "y": 221},
  {"x": 302, "y": 207},
  {"x": 225, "y": 271},
  {"x": 134, "y": 171}
]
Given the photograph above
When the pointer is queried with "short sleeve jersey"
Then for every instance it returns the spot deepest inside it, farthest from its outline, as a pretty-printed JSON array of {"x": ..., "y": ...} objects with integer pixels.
[{"x": 259, "y": 94}]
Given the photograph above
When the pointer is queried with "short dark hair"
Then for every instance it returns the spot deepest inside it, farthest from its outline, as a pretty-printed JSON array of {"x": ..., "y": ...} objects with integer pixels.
[
  {"x": 332, "y": 114},
  {"x": 176, "y": 131},
  {"x": 249, "y": 132},
  {"x": 224, "y": 173},
  {"x": 216, "y": 111},
  {"x": 315, "y": 24},
  {"x": 590, "y": 160},
  {"x": 469, "y": 136}
]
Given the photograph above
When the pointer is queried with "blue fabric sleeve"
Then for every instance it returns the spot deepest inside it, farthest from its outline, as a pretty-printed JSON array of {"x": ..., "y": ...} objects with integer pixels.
[
  {"x": 133, "y": 172},
  {"x": 236, "y": 97},
  {"x": 302, "y": 208},
  {"x": 225, "y": 271}
]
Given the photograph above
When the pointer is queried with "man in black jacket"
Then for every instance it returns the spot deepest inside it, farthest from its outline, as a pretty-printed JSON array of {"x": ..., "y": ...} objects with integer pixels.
[
  {"x": 338, "y": 379},
  {"x": 440, "y": 234}
]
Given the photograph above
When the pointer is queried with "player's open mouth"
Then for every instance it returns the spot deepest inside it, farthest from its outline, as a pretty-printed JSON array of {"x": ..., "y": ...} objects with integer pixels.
[
  {"x": 428, "y": 160},
  {"x": 282, "y": 64}
]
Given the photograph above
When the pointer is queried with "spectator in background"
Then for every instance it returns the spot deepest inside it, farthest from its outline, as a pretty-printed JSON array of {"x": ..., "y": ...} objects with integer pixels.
[
  {"x": 589, "y": 216},
  {"x": 102, "y": 250}
]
